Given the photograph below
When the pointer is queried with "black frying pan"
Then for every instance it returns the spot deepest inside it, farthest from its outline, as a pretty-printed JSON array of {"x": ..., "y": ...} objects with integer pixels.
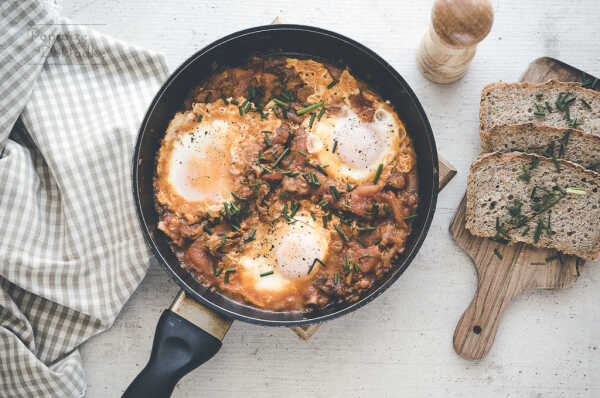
[{"x": 190, "y": 332}]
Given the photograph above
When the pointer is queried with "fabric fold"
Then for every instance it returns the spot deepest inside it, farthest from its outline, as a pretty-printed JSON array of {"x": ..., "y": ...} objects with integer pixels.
[{"x": 71, "y": 251}]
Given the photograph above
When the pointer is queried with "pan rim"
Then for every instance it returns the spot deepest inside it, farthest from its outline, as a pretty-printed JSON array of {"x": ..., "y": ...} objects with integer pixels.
[{"x": 419, "y": 237}]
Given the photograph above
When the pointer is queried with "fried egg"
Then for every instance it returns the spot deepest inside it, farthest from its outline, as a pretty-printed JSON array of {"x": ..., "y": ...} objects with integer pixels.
[
  {"x": 200, "y": 158},
  {"x": 360, "y": 147},
  {"x": 281, "y": 259}
]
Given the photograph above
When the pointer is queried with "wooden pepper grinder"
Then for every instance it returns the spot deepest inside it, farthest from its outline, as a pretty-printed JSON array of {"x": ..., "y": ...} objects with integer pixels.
[{"x": 450, "y": 42}]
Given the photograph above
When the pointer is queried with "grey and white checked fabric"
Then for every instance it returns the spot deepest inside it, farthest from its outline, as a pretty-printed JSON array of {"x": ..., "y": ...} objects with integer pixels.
[{"x": 71, "y": 254}]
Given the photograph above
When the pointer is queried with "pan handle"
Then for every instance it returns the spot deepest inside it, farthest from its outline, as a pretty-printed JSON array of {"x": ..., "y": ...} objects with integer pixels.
[{"x": 187, "y": 335}]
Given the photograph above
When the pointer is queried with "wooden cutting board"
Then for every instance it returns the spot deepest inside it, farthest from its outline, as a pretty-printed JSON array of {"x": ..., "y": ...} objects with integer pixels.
[{"x": 521, "y": 267}]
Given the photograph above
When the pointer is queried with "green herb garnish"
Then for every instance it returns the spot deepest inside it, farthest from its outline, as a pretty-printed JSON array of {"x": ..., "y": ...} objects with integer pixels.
[
  {"x": 342, "y": 233},
  {"x": 250, "y": 236},
  {"x": 334, "y": 192},
  {"x": 228, "y": 272},
  {"x": 281, "y": 103},
  {"x": 285, "y": 152},
  {"x": 497, "y": 253},
  {"x": 312, "y": 120},
  {"x": 378, "y": 173},
  {"x": 333, "y": 83},
  {"x": 309, "y": 108},
  {"x": 321, "y": 112}
]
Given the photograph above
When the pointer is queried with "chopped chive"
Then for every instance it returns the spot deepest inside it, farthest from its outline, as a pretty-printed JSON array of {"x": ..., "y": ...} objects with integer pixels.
[
  {"x": 366, "y": 229},
  {"x": 548, "y": 107},
  {"x": 556, "y": 164},
  {"x": 312, "y": 215},
  {"x": 333, "y": 83},
  {"x": 244, "y": 104},
  {"x": 575, "y": 191},
  {"x": 321, "y": 112},
  {"x": 309, "y": 108},
  {"x": 365, "y": 256},
  {"x": 334, "y": 146},
  {"x": 302, "y": 153},
  {"x": 266, "y": 273},
  {"x": 539, "y": 95},
  {"x": 411, "y": 217},
  {"x": 227, "y": 272},
  {"x": 324, "y": 218},
  {"x": 281, "y": 103},
  {"x": 378, "y": 241},
  {"x": 199, "y": 118},
  {"x": 255, "y": 185},
  {"x": 285, "y": 152},
  {"x": 538, "y": 263},
  {"x": 225, "y": 100},
  {"x": 241, "y": 110},
  {"x": 350, "y": 188},
  {"x": 342, "y": 233},
  {"x": 497, "y": 253},
  {"x": 247, "y": 108},
  {"x": 236, "y": 196},
  {"x": 584, "y": 102},
  {"x": 323, "y": 203},
  {"x": 335, "y": 278},
  {"x": 526, "y": 176},
  {"x": 538, "y": 113},
  {"x": 291, "y": 159},
  {"x": 250, "y": 236},
  {"x": 207, "y": 98},
  {"x": 334, "y": 192},
  {"x": 318, "y": 167},
  {"x": 234, "y": 102},
  {"x": 314, "y": 180},
  {"x": 207, "y": 229},
  {"x": 217, "y": 272},
  {"x": 312, "y": 120},
  {"x": 517, "y": 150},
  {"x": 378, "y": 173},
  {"x": 266, "y": 169}
]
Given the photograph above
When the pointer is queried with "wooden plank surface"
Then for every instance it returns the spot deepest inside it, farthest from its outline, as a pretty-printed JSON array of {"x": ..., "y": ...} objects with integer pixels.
[{"x": 521, "y": 266}]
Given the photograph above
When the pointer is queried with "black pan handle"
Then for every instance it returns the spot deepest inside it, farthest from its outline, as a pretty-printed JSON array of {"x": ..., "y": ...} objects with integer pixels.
[{"x": 179, "y": 347}]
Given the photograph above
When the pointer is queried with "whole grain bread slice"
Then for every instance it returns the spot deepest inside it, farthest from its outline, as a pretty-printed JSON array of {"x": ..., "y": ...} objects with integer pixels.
[
  {"x": 528, "y": 198},
  {"x": 519, "y": 103},
  {"x": 569, "y": 144}
]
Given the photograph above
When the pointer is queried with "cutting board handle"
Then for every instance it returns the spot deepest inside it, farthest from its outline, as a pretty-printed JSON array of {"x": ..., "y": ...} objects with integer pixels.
[{"x": 476, "y": 330}]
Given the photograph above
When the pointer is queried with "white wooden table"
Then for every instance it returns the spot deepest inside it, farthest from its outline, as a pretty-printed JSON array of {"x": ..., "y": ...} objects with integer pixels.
[{"x": 400, "y": 345}]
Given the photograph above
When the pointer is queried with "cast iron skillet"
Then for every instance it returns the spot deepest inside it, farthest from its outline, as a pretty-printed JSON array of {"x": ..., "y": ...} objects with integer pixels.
[{"x": 179, "y": 345}]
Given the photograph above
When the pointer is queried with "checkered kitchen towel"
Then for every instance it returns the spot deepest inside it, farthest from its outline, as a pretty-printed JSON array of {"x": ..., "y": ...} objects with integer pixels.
[{"x": 71, "y": 101}]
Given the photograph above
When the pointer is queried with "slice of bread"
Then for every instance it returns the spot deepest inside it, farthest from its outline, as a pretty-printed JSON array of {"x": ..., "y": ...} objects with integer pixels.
[
  {"x": 515, "y": 103},
  {"x": 569, "y": 144},
  {"x": 524, "y": 198}
]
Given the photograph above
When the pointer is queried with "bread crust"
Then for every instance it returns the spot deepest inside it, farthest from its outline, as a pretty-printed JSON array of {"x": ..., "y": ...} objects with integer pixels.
[
  {"x": 486, "y": 135},
  {"x": 527, "y": 85}
]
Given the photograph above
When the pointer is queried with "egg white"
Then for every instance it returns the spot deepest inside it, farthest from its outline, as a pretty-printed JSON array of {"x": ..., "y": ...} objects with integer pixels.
[
  {"x": 288, "y": 250},
  {"x": 361, "y": 146}
]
